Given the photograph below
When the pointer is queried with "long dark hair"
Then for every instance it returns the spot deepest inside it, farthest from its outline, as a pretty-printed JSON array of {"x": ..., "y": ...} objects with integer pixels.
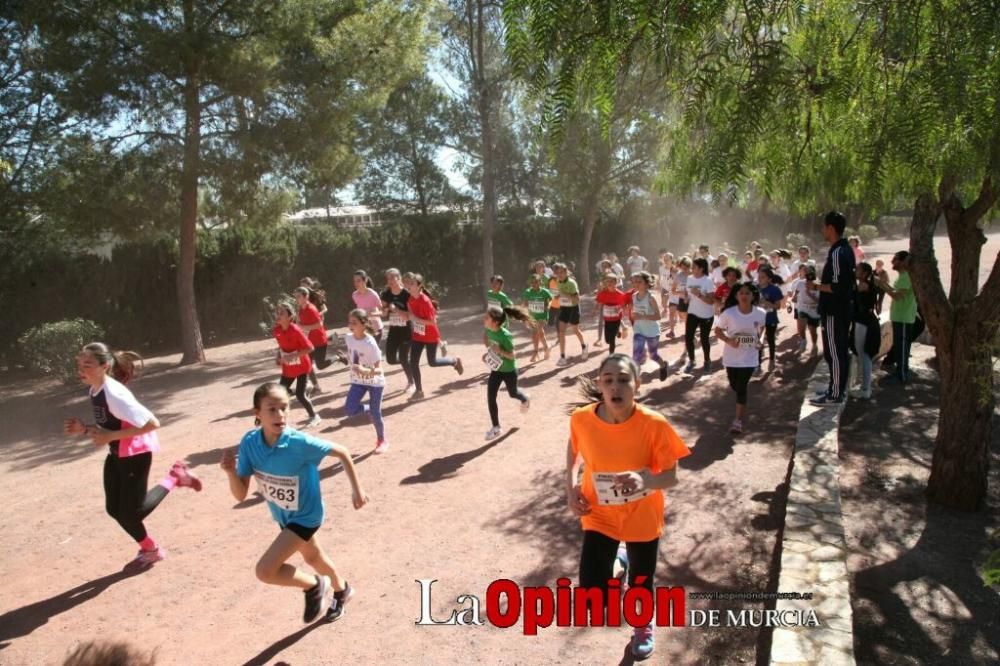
[
  {"x": 589, "y": 388},
  {"x": 500, "y": 315},
  {"x": 362, "y": 315},
  {"x": 364, "y": 276},
  {"x": 731, "y": 298},
  {"x": 419, "y": 279},
  {"x": 869, "y": 276}
]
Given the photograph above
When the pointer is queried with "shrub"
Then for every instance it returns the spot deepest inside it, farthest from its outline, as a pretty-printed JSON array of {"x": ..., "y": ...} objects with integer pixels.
[
  {"x": 52, "y": 348},
  {"x": 895, "y": 226},
  {"x": 868, "y": 233}
]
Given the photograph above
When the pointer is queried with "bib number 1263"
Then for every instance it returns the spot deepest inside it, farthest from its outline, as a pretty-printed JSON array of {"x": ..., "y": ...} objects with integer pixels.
[{"x": 282, "y": 491}]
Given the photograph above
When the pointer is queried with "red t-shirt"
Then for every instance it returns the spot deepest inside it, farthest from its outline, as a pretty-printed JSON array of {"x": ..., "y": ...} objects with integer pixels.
[
  {"x": 290, "y": 340},
  {"x": 752, "y": 266},
  {"x": 612, "y": 302},
  {"x": 310, "y": 316},
  {"x": 421, "y": 306},
  {"x": 722, "y": 292}
]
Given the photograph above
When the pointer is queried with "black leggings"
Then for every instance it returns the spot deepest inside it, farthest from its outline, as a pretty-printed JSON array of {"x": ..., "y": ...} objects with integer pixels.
[
  {"x": 416, "y": 349},
  {"x": 739, "y": 379},
  {"x": 493, "y": 388},
  {"x": 693, "y": 323},
  {"x": 770, "y": 331},
  {"x": 597, "y": 560},
  {"x": 397, "y": 349},
  {"x": 611, "y": 329},
  {"x": 300, "y": 392},
  {"x": 125, "y": 496}
]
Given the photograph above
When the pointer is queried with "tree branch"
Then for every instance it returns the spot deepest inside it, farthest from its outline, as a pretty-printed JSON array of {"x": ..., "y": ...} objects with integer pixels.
[{"x": 927, "y": 285}]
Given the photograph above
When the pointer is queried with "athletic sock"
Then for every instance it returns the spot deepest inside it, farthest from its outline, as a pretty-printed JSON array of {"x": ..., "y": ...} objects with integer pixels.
[
  {"x": 169, "y": 482},
  {"x": 340, "y": 595},
  {"x": 147, "y": 544}
]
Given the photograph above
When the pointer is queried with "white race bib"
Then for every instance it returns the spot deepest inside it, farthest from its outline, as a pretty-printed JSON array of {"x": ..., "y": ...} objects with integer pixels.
[
  {"x": 493, "y": 360},
  {"x": 396, "y": 320},
  {"x": 565, "y": 301},
  {"x": 491, "y": 303},
  {"x": 536, "y": 306},
  {"x": 612, "y": 312},
  {"x": 746, "y": 341},
  {"x": 607, "y": 493},
  {"x": 419, "y": 329},
  {"x": 295, "y": 361},
  {"x": 364, "y": 380},
  {"x": 281, "y": 491}
]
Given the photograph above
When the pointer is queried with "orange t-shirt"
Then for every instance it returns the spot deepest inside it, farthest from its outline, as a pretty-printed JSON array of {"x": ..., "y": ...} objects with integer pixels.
[
  {"x": 646, "y": 439},
  {"x": 554, "y": 288}
]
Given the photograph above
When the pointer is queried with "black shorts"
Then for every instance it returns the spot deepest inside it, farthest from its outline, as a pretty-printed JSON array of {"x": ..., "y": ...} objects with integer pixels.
[
  {"x": 301, "y": 531},
  {"x": 809, "y": 319},
  {"x": 570, "y": 315},
  {"x": 682, "y": 306},
  {"x": 553, "y": 316}
]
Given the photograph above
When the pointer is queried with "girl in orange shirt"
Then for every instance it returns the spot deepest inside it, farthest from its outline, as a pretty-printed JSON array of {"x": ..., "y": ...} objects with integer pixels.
[{"x": 629, "y": 455}]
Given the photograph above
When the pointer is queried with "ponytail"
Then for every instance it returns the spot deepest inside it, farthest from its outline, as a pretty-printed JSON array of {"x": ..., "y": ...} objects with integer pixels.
[
  {"x": 121, "y": 365},
  {"x": 364, "y": 276},
  {"x": 362, "y": 315},
  {"x": 500, "y": 315}
]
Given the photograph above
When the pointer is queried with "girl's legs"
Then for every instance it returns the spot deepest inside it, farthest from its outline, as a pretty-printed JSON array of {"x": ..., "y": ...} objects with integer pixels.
[
  {"x": 800, "y": 330},
  {"x": 510, "y": 380},
  {"x": 611, "y": 329},
  {"x": 653, "y": 345},
  {"x": 705, "y": 327},
  {"x": 492, "y": 388},
  {"x": 562, "y": 339},
  {"x": 125, "y": 496},
  {"x": 597, "y": 559},
  {"x": 352, "y": 405},
  {"x": 397, "y": 350},
  {"x": 770, "y": 332},
  {"x": 434, "y": 361},
  {"x": 416, "y": 349},
  {"x": 300, "y": 392},
  {"x": 864, "y": 360},
  {"x": 690, "y": 326},
  {"x": 319, "y": 359},
  {"x": 672, "y": 321},
  {"x": 813, "y": 325},
  {"x": 739, "y": 380},
  {"x": 273, "y": 568},
  {"x": 638, "y": 346},
  {"x": 375, "y": 410}
]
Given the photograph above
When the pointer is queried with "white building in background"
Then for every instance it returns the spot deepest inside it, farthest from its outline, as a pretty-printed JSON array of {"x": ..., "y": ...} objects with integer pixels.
[{"x": 344, "y": 216}]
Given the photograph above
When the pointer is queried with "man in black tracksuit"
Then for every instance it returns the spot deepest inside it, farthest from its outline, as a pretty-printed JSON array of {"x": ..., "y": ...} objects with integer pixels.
[{"x": 836, "y": 303}]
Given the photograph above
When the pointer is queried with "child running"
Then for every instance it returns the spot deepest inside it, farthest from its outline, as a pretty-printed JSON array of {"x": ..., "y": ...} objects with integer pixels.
[
  {"x": 806, "y": 299},
  {"x": 285, "y": 463},
  {"x": 366, "y": 298},
  {"x": 495, "y": 298},
  {"x": 502, "y": 361},
  {"x": 667, "y": 290},
  {"x": 395, "y": 299},
  {"x": 311, "y": 323},
  {"x": 701, "y": 312},
  {"x": 294, "y": 351},
  {"x": 569, "y": 312},
  {"x": 867, "y": 336},
  {"x": 536, "y": 299},
  {"x": 127, "y": 429},
  {"x": 366, "y": 374},
  {"x": 609, "y": 315},
  {"x": 423, "y": 315},
  {"x": 739, "y": 327},
  {"x": 772, "y": 299},
  {"x": 645, "y": 314},
  {"x": 629, "y": 455}
]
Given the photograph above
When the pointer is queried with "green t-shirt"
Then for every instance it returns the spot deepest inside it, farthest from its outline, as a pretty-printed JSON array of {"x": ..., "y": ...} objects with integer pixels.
[
  {"x": 538, "y": 302},
  {"x": 567, "y": 289},
  {"x": 505, "y": 341},
  {"x": 498, "y": 299},
  {"x": 904, "y": 310}
]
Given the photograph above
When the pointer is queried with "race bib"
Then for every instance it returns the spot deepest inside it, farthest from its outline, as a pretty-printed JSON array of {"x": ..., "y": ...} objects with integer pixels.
[
  {"x": 565, "y": 301},
  {"x": 490, "y": 303},
  {"x": 612, "y": 311},
  {"x": 607, "y": 493},
  {"x": 536, "y": 307},
  {"x": 396, "y": 320},
  {"x": 493, "y": 359},
  {"x": 366, "y": 380},
  {"x": 281, "y": 491},
  {"x": 295, "y": 361},
  {"x": 419, "y": 329},
  {"x": 747, "y": 341}
]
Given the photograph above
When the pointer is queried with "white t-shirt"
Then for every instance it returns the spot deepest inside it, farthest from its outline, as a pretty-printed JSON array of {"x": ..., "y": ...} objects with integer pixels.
[
  {"x": 666, "y": 278},
  {"x": 717, "y": 275},
  {"x": 746, "y": 328},
  {"x": 696, "y": 306},
  {"x": 805, "y": 300},
  {"x": 635, "y": 264},
  {"x": 122, "y": 404},
  {"x": 364, "y": 352}
]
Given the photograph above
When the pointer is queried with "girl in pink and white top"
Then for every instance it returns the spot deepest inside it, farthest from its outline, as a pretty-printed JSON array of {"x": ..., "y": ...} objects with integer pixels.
[
  {"x": 126, "y": 428},
  {"x": 366, "y": 298},
  {"x": 855, "y": 243}
]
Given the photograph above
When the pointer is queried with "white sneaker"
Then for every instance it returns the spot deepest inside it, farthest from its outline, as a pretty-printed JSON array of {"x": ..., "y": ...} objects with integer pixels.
[
  {"x": 526, "y": 405},
  {"x": 584, "y": 352},
  {"x": 562, "y": 362},
  {"x": 444, "y": 348},
  {"x": 313, "y": 422},
  {"x": 493, "y": 433}
]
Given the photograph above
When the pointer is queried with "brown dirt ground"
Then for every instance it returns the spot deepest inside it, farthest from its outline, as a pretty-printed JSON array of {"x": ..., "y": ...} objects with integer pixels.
[
  {"x": 446, "y": 505},
  {"x": 917, "y": 589}
]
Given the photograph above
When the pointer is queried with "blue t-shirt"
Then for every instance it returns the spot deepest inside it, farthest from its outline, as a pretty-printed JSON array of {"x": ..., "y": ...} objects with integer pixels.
[
  {"x": 287, "y": 474},
  {"x": 771, "y": 293}
]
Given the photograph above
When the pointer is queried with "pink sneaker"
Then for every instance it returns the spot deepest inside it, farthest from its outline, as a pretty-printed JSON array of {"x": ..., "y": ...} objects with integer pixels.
[
  {"x": 382, "y": 446},
  {"x": 185, "y": 479},
  {"x": 147, "y": 558}
]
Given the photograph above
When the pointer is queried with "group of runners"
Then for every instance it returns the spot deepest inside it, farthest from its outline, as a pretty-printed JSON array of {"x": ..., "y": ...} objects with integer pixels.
[{"x": 628, "y": 453}]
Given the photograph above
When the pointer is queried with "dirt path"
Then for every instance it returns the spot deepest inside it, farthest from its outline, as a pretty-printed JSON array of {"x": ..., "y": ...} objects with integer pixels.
[{"x": 447, "y": 505}]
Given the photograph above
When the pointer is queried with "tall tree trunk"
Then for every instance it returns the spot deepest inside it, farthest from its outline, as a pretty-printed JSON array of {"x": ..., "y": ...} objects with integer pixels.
[
  {"x": 963, "y": 325},
  {"x": 591, "y": 210},
  {"x": 486, "y": 138},
  {"x": 193, "y": 351}
]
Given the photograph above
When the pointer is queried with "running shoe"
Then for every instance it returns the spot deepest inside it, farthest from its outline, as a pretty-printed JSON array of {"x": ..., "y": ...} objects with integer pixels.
[
  {"x": 184, "y": 477},
  {"x": 417, "y": 395},
  {"x": 664, "y": 369},
  {"x": 310, "y": 390},
  {"x": 312, "y": 422},
  {"x": 381, "y": 446},
  {"x": 737, "y": 427},
  {"x": 147, "y": 558},
  {"x": 459, "y": 368},
  {"x": 707, "y": 368},
  {"x": 410, "y": 388},
  {"x": 642, "y": 642},
  {"x": 444, "y": 348},
  {"x": 493, "y": 433},
  {"x": 314, "y": 598},
  {"x": 619, "y": 569},
  {"x": 526, "y": 405},
  {"x": 584, "y": 352},
  {"x": 822, "y": 392},
  {"x": 689, "y": 368},
  {"x": 340, "y": 599},
  {"x": 562, "y": 362},
  {"x": 827, "y": 400}
]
